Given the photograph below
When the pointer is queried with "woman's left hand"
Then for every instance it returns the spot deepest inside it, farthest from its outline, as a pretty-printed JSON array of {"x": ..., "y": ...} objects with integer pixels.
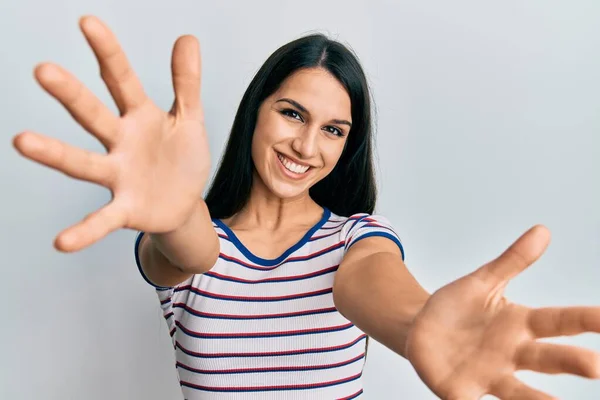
[{"x": 468, "y": 340}]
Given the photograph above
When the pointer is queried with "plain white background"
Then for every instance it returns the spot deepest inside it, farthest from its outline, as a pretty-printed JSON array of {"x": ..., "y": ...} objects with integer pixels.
[{"x": 488, "y": 123}]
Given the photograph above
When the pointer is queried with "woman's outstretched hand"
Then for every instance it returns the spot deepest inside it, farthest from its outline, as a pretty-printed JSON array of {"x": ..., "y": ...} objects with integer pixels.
[
  {"x": 157, "y": 162},
  {"x": 469, "y": 340}
]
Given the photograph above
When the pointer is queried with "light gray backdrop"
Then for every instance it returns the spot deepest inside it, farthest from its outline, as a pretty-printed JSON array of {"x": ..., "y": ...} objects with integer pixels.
[{"x": 488, "y": 123}]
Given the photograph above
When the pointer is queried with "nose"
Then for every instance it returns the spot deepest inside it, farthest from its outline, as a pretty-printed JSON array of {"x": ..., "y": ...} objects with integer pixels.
[{"x": 305, "y": 144}]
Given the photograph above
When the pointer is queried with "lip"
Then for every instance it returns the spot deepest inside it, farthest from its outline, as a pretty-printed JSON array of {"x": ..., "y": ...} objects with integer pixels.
[
  {"x": 291, "y": 174},
  {"x": 295, "y": 161}
]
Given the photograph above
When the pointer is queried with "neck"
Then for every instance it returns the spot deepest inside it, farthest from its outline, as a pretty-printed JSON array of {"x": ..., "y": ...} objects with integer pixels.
[{"x": 266, "y": 211}]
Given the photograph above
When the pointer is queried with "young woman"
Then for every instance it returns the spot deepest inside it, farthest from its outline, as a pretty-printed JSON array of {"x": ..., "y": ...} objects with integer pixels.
[{"x": 271, "y": 284}]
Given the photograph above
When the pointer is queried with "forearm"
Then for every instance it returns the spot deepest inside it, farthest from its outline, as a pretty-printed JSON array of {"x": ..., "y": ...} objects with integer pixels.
[
  {"x": 380, "y": 297},
  {"x": 193, "y": 248}
]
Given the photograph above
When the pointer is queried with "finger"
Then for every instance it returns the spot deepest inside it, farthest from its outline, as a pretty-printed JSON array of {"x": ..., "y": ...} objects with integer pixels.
[
  {"x": 563, "y": 321},
  {"x": 81, "y": 103},
  {"x": 121, "y": 80},
  {"x": 186, "y": 72},
  {"x": 91, "y": 229},
  {"x": 553, "y": 358},
  {"x": 521, "y": 254},
  {"x": 72, "y": 161},
  {"x": 510, "y": 388}
]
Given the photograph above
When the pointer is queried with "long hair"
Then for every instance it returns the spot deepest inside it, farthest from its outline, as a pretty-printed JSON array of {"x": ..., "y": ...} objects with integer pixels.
[{"x": 350, "y": 187}]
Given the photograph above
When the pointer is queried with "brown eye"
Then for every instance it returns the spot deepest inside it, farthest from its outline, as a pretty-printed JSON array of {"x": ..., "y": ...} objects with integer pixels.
[
  {"x": 288, "y": 112},
  {"x": 334, "y": 130}
]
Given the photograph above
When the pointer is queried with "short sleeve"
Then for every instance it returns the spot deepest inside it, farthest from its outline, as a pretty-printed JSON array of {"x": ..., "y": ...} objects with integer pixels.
[
  {"x": 138, "y": 239},
  {"x": 361, "y": 226}
]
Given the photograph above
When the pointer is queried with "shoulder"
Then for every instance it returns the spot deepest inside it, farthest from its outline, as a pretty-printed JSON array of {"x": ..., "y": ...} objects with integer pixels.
[{"x": 361, "y": 226}]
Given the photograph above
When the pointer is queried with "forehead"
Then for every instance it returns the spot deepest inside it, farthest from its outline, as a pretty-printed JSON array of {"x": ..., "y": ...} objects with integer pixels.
[{"x": 318, "y": 91}]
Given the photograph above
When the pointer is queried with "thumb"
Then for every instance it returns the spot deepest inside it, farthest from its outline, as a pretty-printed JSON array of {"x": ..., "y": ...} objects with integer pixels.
[
  {"x": 526, "y": 250},
  {"x": 186, "y": 73}
]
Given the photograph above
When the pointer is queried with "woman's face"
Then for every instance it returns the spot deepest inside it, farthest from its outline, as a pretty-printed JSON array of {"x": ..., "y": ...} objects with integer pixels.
[{"x": 300, "y": 132}]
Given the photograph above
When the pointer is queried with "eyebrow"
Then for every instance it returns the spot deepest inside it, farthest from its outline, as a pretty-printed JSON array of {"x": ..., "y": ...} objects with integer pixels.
[{"x": 304, "y": 110}]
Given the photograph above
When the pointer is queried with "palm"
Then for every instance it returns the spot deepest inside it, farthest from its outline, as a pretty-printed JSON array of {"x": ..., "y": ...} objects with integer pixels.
[
  {"x": 157, "y": 162},
  {"x": 162, "y": 171},
  {"x": 468, "y": 340}
]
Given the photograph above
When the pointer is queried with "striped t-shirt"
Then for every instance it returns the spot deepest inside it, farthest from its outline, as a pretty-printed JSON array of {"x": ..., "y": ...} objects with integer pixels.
[{"x": 255, "y": 328}]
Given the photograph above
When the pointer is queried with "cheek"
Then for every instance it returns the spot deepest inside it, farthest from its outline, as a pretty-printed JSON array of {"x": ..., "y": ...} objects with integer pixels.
[
  {"x": 262, "y": 146},
  {"x": 269, "y": 131},
  {"x": 332, "y": 155},
  {"x": 260, "y": 138}
]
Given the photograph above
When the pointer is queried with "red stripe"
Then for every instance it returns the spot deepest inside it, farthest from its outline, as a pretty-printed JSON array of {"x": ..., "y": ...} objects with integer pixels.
[
  {"x": 372, "y": 225},
  {"x": 263, "y": 334},
  {"x": 377, "y": 225},
  {"x": 352, "y": 396},
  {"x": 263, "y": 388},
  {"x": 255, "y": 316},
  {"x": 274, "y": 353},
  {"x": 247, "y": 298},
  {"x": 277, "y": 279},
  {"x": 323, "y": 236},
  {"x": 339, "y": 224},
  {"x": 253, "y": 266},
  {"x": 270, "y": 369},
  {"x": 317, "y": 253}
]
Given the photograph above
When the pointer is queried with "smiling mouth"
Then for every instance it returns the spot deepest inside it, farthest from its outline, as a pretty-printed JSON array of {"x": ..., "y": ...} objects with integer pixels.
[{"x": 292, "y": 167}]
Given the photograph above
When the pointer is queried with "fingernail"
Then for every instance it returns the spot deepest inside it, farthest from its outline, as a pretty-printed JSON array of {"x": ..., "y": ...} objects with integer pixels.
[
  {"x": 49, "y": 72},
  {"x": 90, "y": 23}
]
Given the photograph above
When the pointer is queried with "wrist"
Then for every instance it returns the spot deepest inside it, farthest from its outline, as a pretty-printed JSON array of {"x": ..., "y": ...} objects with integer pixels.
[{"x": 187, "y": 222}]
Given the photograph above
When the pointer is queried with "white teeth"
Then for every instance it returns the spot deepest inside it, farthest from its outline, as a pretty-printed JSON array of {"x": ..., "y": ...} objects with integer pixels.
[{"x": 293, "y": 167}]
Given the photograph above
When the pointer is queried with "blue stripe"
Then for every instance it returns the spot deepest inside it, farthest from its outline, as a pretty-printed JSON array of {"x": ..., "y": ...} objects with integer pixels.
[
  {"x": 377, "y": 225},
  {"x": 383, "y": 234},
  {"x": 270, "y": 262},
  {"x": 285, "y": 261},
  {"x": 139, "y": 264},
  {"x": 357, "y": 221},
  {"x": 312, "y": 239}
]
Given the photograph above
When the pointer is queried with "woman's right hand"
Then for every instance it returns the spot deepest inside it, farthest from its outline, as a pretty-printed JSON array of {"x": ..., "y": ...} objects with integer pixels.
[{"x": 157, "y": 163}]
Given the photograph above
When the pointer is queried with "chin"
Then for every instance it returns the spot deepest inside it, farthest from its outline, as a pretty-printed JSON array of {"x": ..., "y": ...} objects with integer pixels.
[{"x": 288, "y": 191}]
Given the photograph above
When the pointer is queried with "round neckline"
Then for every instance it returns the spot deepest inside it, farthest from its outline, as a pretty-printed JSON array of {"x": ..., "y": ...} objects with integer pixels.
[{"x": 272, "y": 261}]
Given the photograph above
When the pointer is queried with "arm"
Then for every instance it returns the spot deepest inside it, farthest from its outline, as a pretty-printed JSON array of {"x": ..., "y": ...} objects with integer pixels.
[
  {"x": 167, "y": 259},
  {"x": 374, "y": 289}
]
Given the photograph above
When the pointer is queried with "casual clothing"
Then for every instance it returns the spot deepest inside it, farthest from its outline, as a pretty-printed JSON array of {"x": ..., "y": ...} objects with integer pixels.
[{"x": 255, "y": 328}]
